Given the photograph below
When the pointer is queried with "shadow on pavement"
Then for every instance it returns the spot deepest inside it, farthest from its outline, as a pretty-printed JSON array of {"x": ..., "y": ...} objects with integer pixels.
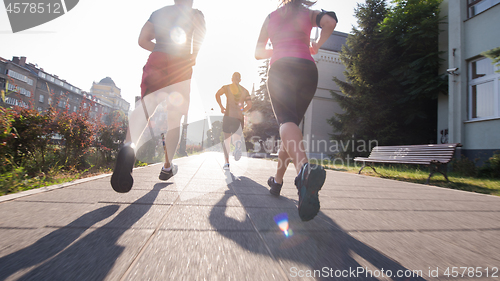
[
  {"x": 314, "y": 245},
  {"x": 53, "y": 243},
  {"x": 91, "y": 257}
]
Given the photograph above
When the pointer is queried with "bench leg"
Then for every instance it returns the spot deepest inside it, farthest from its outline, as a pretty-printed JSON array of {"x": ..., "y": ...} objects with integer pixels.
[
  {"x": 433, "y": 168},
  {"x": 364, "y": 165}
]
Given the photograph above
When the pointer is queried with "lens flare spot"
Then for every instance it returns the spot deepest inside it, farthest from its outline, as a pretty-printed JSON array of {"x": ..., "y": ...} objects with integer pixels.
[
  {"x": 256, "y": 117},
  {"x": 178, "y": 35},
  {"x": 282, "y": 222},
  {"x": 175, "y": 99}
]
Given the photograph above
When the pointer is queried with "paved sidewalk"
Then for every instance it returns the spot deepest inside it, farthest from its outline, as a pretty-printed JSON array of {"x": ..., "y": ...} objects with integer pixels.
[{"x": 205, "y": 224}]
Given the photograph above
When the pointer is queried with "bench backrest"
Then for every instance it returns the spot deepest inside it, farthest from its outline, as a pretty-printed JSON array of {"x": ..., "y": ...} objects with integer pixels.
[{"x": 441, "y": 153}]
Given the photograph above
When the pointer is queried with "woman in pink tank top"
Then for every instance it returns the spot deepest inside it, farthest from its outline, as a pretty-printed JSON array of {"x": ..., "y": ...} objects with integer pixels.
[{"x": 292, "y": 82}]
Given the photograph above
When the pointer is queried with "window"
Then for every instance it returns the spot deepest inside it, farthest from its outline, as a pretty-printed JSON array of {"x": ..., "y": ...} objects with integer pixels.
[
  {"x": 20, "y": 90},
  {"x": 74, "y": 108},
  {"x": 16, "y": 102},
  {"x": 19, "y": 76},
  {"x": 478, "y": 6},
  {"x": 484, "y": 89},
  {"x": 40, "y": 98}
]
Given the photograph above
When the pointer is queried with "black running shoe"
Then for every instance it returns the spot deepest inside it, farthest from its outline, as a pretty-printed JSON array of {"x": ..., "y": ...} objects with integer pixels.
[
  {"x": 164, "y": 175},
  {"x": 309, "y": 181},
  {"x": 237, "y": 151},
  {"x": 122, "y": 179},
  {"x": 275, "y": 187}
]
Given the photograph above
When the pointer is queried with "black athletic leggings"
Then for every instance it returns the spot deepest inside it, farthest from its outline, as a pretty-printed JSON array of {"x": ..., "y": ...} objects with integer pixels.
[{"x": 291, "y": 83}]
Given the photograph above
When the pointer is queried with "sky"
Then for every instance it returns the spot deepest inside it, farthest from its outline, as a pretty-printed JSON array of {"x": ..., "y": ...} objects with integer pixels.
[{"x": 98, "y": 39}]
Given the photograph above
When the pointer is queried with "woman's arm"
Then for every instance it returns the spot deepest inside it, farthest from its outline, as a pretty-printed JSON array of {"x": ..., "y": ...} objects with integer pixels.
[
  {"x": 327, "y": 24},
  {"x": 146, "y": 36},
  {"x": 260, "y": 50}
]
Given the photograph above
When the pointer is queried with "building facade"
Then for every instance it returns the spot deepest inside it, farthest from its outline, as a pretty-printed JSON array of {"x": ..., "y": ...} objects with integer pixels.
[
  {"x": 470, "y": 113},
  {"x": 26, "y": 85},
  {"x": 17, "y": 82},
  {"x": 110, "y": 94}
]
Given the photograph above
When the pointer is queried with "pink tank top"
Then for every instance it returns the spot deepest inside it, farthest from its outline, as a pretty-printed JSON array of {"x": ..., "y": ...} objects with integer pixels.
[{"x": 290, "y": 35}]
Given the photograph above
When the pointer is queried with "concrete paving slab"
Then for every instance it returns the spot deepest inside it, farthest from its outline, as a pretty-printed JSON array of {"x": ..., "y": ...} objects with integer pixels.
[
  {"x": 482, "y": 242},
  {"x": 360, "y": 220},
  {"x": 206, "y": 255},
  {"x": 39, "y": 214},
  {"x": 193, "y": 198},
  {"x": 221, "y": 218},
  {"x": 138, "y": 196},
  {"x": 99, "y": 254},
  {"x": 423, "y": 252}
]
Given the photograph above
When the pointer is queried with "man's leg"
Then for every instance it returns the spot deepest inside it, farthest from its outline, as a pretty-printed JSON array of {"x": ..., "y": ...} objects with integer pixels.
[
  {"x": 238, "y": 144},
  {"x": 227, "y": 146},
  {"x": 177, "y": 98},
  {"x": 172, "y": 137}
]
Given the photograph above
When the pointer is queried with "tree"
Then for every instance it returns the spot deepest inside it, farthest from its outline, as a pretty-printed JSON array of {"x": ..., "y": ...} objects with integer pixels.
[
  {"x": 392, "y": 80},
  {"x": 262, "y": 122},
  {"x": 494, "y": 55},
  {"x": 412, "y": 29},
  {"x": 365, "y": 101},
  {"x": 215, "y": 134}
]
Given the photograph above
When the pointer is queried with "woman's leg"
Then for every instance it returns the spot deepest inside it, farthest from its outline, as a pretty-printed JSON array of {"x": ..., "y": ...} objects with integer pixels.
[
  {"x": 291, "y": 137},
  {"x": 283, "y": 161}
]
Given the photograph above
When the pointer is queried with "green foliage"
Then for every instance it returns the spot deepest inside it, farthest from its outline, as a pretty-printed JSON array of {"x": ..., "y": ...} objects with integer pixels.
[
  {"x": 492, "y": 167},
  {"x": 494, "y": 55},
  {"x": 6, "y": 136},
  {"x": 494, "y": 162},
  {"x": 464, "y": 167},
  {"x": 111, "y": 134},
  {"x": 77, "y": 133},
  {"x": 193, "y": 148},
  {"x": 392, "y": 81},
  {"x": 215, "y": 135},
  {"x": 39, "y": 149}
]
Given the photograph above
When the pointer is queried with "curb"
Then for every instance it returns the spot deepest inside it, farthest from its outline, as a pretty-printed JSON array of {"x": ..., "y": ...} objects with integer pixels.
[{"x": 14, "y": 196}]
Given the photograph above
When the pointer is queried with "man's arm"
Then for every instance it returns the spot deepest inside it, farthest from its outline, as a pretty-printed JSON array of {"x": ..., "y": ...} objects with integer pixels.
[
  {"x": 146, "y": 36},
  {"x": 248, "y": 101},
  {"x": 248, "y": 105},
  {"x": 219, "y": 93},
  {"x": 199, "y": 34}
]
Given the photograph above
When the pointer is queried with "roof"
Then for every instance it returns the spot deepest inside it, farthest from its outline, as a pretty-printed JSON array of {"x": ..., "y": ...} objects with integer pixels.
[
  {"x": 107, "y": 81},
  {"x": 335, "y": 42}
]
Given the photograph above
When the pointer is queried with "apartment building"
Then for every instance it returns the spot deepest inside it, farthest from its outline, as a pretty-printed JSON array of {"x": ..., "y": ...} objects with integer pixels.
[
  {"x": 28, "y": 85},
  {"x": 470, "y": 113}
]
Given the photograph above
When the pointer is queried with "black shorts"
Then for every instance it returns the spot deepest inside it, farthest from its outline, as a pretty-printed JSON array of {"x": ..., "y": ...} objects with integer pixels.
[
  {"x": 292, "y": 83},
  {"x": 230, "y": 125}
]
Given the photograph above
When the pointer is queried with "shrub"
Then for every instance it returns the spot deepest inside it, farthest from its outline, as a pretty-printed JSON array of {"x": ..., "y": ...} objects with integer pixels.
[
  {"x": 193, "y": 148},
  {"x": 464, "y": 167},
  {"x": 492, "y": 167}
]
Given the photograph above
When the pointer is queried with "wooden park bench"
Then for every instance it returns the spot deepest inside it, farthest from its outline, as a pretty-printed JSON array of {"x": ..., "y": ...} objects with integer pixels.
[{"x": 432, "y": 155}]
